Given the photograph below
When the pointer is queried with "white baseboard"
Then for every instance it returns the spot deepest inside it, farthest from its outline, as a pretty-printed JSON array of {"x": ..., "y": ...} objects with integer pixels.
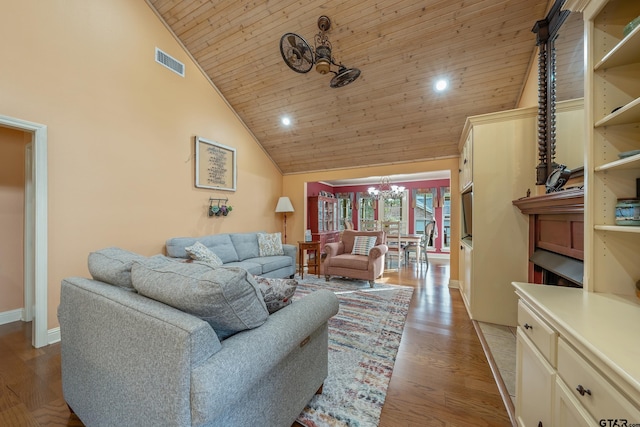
[
  {"x": 53, "y": 335},
  {"x": 11, "y": 316},
  {"x": 439, "y": 255},
  {"x": 17, "y": 315},
  {"x": 455, "y": 284}
]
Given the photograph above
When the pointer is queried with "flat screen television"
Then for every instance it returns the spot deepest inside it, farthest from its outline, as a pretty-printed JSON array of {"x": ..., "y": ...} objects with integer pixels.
[{"x": 467, "y": 215}]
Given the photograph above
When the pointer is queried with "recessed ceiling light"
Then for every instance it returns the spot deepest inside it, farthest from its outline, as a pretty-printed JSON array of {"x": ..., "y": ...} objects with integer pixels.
[
  {"x": 286, "y": 121},
  {"x": 441, "y": 85}
]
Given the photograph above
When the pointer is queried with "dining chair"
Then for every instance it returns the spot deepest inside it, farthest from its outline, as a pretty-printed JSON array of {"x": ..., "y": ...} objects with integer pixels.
[
  {"x": 393, "y": 231},
  {"x": 423, "y": 244},
  {"x": 369, "y": 225}
]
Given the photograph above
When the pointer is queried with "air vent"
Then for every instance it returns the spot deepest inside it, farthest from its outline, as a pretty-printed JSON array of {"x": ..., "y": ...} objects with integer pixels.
[{"x": 169, "y": 62}]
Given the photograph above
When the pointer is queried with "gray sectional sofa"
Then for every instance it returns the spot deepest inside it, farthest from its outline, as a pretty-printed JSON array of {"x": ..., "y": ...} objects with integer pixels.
[
  {"x": 130, "y": 360},
  {"x": 240, "y": 250}
]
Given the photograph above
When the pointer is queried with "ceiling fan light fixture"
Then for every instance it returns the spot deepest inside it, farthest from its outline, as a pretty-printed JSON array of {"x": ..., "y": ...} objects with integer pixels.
[
  {"x": 301, "y": 57},
  {"x": 323, "y": 59},
  {"x": 323, "y": 66}
]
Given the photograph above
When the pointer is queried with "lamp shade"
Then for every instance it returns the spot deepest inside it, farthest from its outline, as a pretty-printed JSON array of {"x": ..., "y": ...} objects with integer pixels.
[{"x": 284, "y": 205}]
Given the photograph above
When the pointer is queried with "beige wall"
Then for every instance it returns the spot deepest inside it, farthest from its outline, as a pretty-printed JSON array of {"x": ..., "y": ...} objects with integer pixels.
[
  {"x": 12, "y": 146},
  {"x": 120, "y": 131},
  {"x": 570, "y": 133},
  {"x": 529, "y": 95},
  {"x": 294, "y": 187}
]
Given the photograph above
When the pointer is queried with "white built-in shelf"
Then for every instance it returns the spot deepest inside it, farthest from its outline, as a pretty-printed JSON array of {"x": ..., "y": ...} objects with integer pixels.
[
  {"x": 630, "y": 113},
  {"x": 618, "y": 228},
  {"x": 631, "y": 162},
  {"x": 626, "y": 52}
]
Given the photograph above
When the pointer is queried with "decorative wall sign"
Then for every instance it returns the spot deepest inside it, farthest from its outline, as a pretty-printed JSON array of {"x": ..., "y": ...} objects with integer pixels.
[{"x": 215, "y": 165}]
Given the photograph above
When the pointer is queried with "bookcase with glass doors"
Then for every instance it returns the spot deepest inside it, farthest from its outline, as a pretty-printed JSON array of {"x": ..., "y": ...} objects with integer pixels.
[{"x": 323, "y": 219}]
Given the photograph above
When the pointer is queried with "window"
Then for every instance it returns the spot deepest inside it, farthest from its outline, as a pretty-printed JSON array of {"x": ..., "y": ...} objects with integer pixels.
[
  {"x": 423, "y": 212},
  {"x": 366, "y": 210},
  {"x": 344, "y": 209},
  {"x": 446, "y": 217},
  {"x": 394, "y": 210}
]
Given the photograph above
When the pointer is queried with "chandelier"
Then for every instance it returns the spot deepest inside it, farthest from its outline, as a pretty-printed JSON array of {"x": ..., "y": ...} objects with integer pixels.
[{"x": 386, "y": 190}]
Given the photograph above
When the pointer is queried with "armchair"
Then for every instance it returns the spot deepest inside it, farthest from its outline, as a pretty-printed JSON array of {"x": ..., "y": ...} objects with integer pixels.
[{"x": 341, "y": 262}]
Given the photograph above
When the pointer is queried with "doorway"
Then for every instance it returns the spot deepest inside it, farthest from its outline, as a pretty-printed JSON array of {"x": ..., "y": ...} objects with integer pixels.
[{"x": 35, "y": 226}]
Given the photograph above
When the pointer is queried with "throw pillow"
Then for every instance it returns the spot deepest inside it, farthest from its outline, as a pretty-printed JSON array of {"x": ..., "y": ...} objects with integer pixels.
[
  {"x": 200, "y": 252},
  {"x": 228, "y": 298},
  {"x": 277, "y": 293},
  {"x": 113, "y": 266},
  {"x": 363, "y": 244},
  {"x": 270, "y": 244}
]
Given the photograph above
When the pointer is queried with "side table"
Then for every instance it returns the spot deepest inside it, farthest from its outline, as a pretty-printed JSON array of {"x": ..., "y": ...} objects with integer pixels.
[{"x": 314, "y": 247}]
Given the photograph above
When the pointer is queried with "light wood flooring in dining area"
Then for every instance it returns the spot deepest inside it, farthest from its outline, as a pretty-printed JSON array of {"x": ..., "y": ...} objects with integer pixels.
[{"x": 441, "y": 375}]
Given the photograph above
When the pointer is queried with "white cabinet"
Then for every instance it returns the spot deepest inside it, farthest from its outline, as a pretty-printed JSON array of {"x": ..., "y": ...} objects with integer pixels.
[
  {"x": 466, "y": 162},
  {"x": 535, "y": 368},
  {"x": 499, "y": 150},
  {"x": 535, "y": 385},
  {"x": 581, "y": 364},
  {"x": 466, "y": 272}
]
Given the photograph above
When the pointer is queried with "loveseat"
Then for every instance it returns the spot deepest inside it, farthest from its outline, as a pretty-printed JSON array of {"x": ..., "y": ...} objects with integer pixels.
[
  {"x": 241, "y": 250},
  {"x": 130, "y": 360},
  {"x": 367, "y": 264}
]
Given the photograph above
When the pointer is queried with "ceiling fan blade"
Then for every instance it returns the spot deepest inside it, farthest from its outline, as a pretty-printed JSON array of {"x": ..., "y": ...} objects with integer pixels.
[
  {"x": 296, "y": 52},
  {"x": 344, "y": 77}
]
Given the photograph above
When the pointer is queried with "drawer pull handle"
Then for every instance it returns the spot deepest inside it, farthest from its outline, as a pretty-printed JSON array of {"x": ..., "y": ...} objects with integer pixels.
[
  {"x": 528, "y": 326},
  {"x": 583, "y": 390}
]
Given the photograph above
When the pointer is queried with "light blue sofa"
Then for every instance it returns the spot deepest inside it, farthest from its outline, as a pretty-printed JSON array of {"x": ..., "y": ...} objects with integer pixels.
[
  {"x": 239, "y": 250},
  {"x": 128, "y": 360}
]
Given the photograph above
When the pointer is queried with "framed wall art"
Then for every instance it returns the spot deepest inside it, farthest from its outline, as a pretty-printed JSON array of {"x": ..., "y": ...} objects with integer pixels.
[{"x": 215, "y": 165}]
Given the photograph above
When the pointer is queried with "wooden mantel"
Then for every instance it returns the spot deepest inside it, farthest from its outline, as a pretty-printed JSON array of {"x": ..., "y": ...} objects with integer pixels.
[
  {"x": 561, "y": 202},
  {"x": 556, "y": 224}
]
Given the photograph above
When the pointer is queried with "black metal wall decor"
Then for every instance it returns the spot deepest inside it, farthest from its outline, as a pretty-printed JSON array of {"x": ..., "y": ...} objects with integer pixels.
[{"x": 546, "y": 31}]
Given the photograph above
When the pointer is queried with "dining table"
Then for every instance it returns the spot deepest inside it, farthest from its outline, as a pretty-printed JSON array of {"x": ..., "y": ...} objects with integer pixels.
[{"x": 407, "y": 239}]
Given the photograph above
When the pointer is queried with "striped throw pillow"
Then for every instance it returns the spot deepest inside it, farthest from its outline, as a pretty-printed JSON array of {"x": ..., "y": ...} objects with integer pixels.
[{"x": 363, "y": 244}]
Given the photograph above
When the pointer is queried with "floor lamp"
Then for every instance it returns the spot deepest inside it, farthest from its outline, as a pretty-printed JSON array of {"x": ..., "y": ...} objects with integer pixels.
[{"x": 284, "y": 206}]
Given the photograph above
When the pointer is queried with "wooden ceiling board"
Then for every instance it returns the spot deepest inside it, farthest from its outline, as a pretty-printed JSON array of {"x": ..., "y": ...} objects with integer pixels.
[{"x": 391, "y": 114}]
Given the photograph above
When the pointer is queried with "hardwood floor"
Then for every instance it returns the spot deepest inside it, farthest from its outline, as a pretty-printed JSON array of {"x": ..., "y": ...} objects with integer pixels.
[{"x": 441, "y": 376}]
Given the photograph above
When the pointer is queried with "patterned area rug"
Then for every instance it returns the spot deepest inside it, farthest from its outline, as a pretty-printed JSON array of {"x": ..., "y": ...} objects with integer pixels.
[{"x": 363, "y": 342}]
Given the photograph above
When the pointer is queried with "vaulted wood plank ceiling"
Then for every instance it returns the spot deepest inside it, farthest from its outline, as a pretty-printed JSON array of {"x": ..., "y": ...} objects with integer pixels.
[{"x": 391, "y": 114}]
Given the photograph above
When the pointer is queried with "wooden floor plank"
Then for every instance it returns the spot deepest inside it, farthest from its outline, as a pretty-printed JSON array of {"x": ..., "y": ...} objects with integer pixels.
[{"x": 441, "y": 376}]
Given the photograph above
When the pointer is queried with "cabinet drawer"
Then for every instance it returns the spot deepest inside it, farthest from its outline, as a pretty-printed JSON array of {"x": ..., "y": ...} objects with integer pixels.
[
  {"x": 543, "y": 336},
  {"x": 599, "y": 397},
  {"x": 568, "y": 411}
]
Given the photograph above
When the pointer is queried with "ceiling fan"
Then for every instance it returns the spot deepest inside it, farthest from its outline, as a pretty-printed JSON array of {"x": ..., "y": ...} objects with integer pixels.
[{"x": 301, "y": 57}]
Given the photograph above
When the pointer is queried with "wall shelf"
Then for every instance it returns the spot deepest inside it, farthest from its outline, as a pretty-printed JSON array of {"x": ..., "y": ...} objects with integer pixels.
[
  {"x": 630, "y": 113},
  {"x": 626, "y": 52},
  {"x": 613, "y": 64},
  {"x": 618, "y": 228},
  {"x": 631, "y": 162}
]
